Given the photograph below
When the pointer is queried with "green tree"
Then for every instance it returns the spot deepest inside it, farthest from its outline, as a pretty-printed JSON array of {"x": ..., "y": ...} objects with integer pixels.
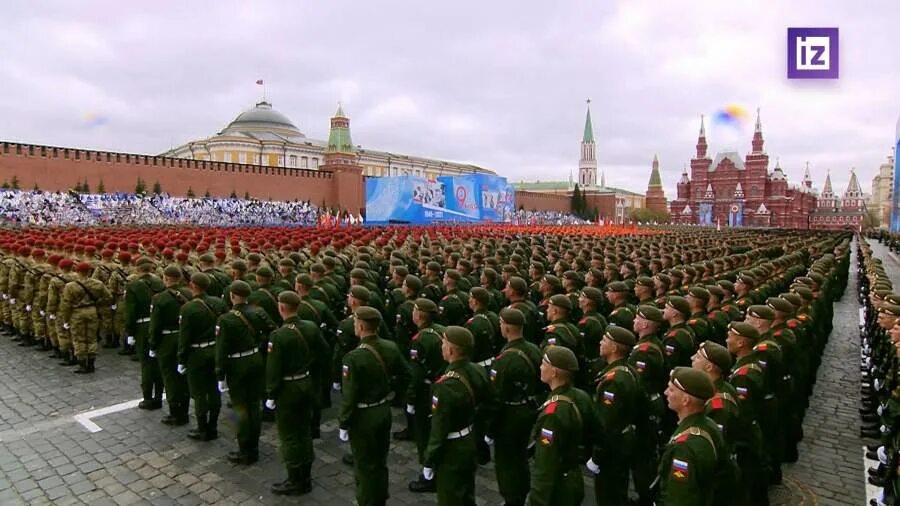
[
  {"x": 207, "y": 194},
  {"x": 101, "y": 188},
  {"x": 140, "y": 187},
  {"x": 14, "y": 184},
  {"x": 645, "y": 215},
  {"x": 246, "y": 195},
  {"x": 5, "y": 185},
  {"x": 233, "y": 195},
  {"x": 157, "y": 188},
  {"x": 576, "y": 204},
  {"x": 36, "y": 188},
  {"x": 190, "y": 192},
  {"x": 85, "y": 188}
]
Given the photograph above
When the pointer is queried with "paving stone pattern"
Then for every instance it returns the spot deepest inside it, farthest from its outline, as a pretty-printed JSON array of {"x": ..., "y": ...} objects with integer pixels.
[{"x": 48, "y": 458}]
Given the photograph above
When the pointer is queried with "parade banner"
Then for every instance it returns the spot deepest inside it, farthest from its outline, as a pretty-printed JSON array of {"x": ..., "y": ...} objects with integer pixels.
[
  {"x": 895, "y": 205},
  {"x": 417, "y": 200}
]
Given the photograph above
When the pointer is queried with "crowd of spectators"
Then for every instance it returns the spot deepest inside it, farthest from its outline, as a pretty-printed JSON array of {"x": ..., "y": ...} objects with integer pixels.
[{"x": 68, "y": 208}]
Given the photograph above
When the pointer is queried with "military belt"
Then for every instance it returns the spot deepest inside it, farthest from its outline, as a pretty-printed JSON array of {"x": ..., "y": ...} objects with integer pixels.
[
  {"x": 244, "y": 353},
  {"x": 203, "y": 345},
  {"x": 485, "y": 363},
  {"x": 460, "y": 433},
  {"x": 364, "y": 405},
  {"x": 143, "y": 320},
  {"x": 168, "y": 332},
  {"x": 295, "y": 377}
]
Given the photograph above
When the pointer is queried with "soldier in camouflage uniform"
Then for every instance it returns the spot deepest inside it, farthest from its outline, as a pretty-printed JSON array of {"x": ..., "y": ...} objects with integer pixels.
[
  {"x": 102, "y": 272},
  {"x": 83, "y": 300},
  {"x": 39, "y": 302},
  {"x": 118, "y": 280}
]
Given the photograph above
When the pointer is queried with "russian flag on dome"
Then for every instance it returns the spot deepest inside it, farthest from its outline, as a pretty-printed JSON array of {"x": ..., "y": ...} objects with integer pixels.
[{"x": 259, "y": 82}]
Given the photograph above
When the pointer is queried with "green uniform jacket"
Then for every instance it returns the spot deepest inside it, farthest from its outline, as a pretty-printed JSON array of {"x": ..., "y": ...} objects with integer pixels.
[
  {"x": 700, "y": 326},
  {"x": 679, "y": 346},
  {"x": 456, "y": 398},
  {"x": 483, "y": 331},
  {"x": 296, "y": 348},
  {"x": 240, "y": 330},
  {"x": 620, "y": 400},
  {"x": 565, "y": 425},
  {"x": 426, "y": 362},
  {"x": 366, "y": 375},
  {"x": 139, "y": 293},
  {"x": 165, "y": 312},
  {"x": 514, "y": 375},
  {"x": 623, "y": 316},
  {"x": 198, "y": 323},
  {"x": 266, "y": 297},
  {"x": 689, "y": 466}
]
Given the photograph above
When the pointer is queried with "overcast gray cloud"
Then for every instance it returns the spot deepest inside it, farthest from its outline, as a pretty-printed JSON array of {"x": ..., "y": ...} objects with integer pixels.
[{"x": 498, "y": 84}]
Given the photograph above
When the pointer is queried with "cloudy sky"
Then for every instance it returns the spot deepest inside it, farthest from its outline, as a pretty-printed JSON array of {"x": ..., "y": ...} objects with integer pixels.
[{"x": 499, "y": 84}]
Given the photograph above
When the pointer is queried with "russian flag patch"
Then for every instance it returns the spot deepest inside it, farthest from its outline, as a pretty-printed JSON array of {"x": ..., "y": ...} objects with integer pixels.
[
  {"x": 546, "y": 437},
  {"x": 345, "y": 371},
  {"x": 679, "y": 469},
  {"x": 608, "y": 397}
]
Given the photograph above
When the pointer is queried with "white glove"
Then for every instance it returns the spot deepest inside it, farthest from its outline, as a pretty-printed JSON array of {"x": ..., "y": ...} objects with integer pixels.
[
  {"x": 488, "y": 440},
  {"x": 428, "y": 473},
  {"x": 181, "y": 369},
  {"x": 52, "y": 317},
  {"x": 223, "y": 387},
  {"x": 270, "y": 403},
  {"x": 343, "y": 435},
  {"x": 12, "y": 301},
  {"x": 129, "y": 340},
  {"x": 5, "y": 296},
  {"x": 877, "y": 384},
  {"x": 66, "y": 326},
  {"x": 43, "y": 313},
  {"x": 152, "y": 354},
  {"x": 27, "y": 308},
  {"x": 410, "y": 409},
  {"x": 336, "y": 387},
  {"x": 593, "y": 468},
  {"x": 113, "y": 307}
]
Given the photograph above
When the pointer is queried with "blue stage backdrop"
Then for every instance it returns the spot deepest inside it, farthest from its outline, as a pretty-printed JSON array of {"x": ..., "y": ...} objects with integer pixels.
[
  {"x": 895, "y": 209},
  {"x": 411, "y": 199}
]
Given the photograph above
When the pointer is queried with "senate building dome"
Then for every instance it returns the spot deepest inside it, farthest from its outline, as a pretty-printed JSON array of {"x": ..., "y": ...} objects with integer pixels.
[{"x": 262, "y": 117}]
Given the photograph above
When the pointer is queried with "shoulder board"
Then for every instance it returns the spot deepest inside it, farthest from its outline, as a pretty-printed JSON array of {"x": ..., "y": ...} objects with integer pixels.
[
  {"x": 692, "y": 321},
  {"x": 643, "y": 346},
  {"x": 672, "y": 333},
  {"x": 716, "y": 403},
  {"x": 469, "y": 320},
  {"x": 611, "y": 375},
  {"x": 445, "y": 297},
  {"x": 792, "y": 324},
  {"x": 582, "y": 321},
  {"x": 802, "y": 317},
  {"x": 616, "y": 310},
  {"x": 777, "y": 332},
  {"x": 763, "y": 346},
  {"x": 726, "y": 307},
  {"x": 550, "y": 328},
  {"x": 550, "y": 408}
]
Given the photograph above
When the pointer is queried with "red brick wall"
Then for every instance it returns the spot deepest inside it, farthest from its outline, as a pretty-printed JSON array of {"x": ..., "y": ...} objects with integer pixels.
[
  {"x": 534, "y": 201},
  {"x": 57, "y": 169}
]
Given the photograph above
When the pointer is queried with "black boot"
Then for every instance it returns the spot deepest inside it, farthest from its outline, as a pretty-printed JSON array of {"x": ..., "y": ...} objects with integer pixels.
[
  {"x": 212, "y": 425},
  {"x": 407, "y": 433},
  {"x": 55, "y": 352},
  {"x": 82, "y": 367},
  {"x": 294, "y": 484},
  {"x": 199, "y": 434},
  {"x": 422, "y": 485},
  {"x": 91, "y": 364},
  {"x": 26, "y": 341},
  {"x": 69, "y": 359},
  {"x": 45, "y": 345}
]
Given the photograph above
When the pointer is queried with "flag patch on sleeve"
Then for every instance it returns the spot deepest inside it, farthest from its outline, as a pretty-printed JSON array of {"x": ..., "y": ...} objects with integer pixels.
[
  {"x": 345, "y": 371},
  {"x": 434, "y": 403},
  {"x": 608, "y": 397},
  {"x": 546, "y": 437},
  {"x": 493, "y": 374},
  {"x": 679, "y": 469}
]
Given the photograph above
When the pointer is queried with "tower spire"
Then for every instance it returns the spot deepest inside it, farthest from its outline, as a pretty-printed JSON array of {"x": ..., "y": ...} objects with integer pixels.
[
  {"x": 587, "y": 163},
  {"x": 757, "y": 135},
  {"x": 655, "y": 179},
  {"x": 758, "y": 121},
  {"x": 701, "y": 140},
  {"x": 702, "y": 127},
  {"x": 588, "y": 126}
]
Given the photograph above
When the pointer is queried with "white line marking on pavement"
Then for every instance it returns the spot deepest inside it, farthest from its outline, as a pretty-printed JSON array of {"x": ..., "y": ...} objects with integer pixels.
[
  {"x": 85, "y": 418},
  {"x": 872, "y": 492}
]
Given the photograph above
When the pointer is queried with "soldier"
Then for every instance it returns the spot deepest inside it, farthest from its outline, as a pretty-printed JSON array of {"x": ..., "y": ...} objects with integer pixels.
[
  {"x": 83, "y": 299},
  {"x": 622, "y": 313},
  {"x": 516, "y": 291},
  {"x": 39, "y": 303},
  {"x": 748, "y": 380},
  {"x": 644, "y": 290},
  {"x": 717, "y": 318},
  {"x": 743, "y": 293},
  {"x": 592, "y": 326},
  {"x": 365, "y": 417},
  {"x": 118, "y": 280},
  {"x": 489, "y": 282},
  {"x": 21, "y": 285},
  {"x": 138, "y": 296},
  {"x": 218, "y": 280},
  {"x": 240, "y": 332},
  {"x": 678, "y": 343},
  {"x": 562, "y": 332},
  {"x": 196, "y": 355},
  {"x": 514, "y": 375},
  {"x": 648, "y": 360},
  {"x": 54, "y": 301},
  {"x": 620, "y": 403},
  {"x": 298, "y": 363},
  {"x": 697, "y": 298},
  {"x": 287, "y": 276},
  {"x": 165, "y": 313},
  {"x": 722, "y": 408},
  {"x": 456, "y": 401},
  {"x": 481, "y": 326},
  {"x": 564, "y": 426},
  {"x": 454, "y": 305},
  {"x": 426, "y": 366},
  {"x": 692, "y": 459},
  {"x": 102, "y": 272}
]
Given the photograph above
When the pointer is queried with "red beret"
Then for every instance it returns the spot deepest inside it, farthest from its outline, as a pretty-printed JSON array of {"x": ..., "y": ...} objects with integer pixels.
[
  {"x": 24, "y": 250},
  {"x": 220, "y": 254},
  {"x": 124, "y": 257},
  {"x": 54, "y": 259},
  {"x": 83, "y": 267},
  {"x": 167, "y": 252},
  {"x": 66, "y": 263},
  {"x": 90, "y": 249},
  {"x": 181, "y": 256},
  {"x": 37, "y": 253}
]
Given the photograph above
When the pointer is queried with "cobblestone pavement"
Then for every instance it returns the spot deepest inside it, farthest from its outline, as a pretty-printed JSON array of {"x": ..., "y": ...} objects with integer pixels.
[
  {"x": 46, "y": 457},
  {"x": 830, "y": 468}
]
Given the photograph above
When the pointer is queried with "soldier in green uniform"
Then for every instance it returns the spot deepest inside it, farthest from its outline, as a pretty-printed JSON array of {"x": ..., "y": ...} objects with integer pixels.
[
  {"x": 83, "y": 299},
  {"x": 692, "y": 460},
  {"x": 697, "y": 298},
  {"x": 661, "y": 283},
  {"x": 622, "y": 313},
  {"x": 239, "y": 369},
  {"x": 489, "y": 280},
  {"x": 516, "y": 292},
  {"x": 218, "y": 280},
  {"x": 346, "y": 340},
  {"x": 514, "y": 375},
  {"x": 457, "y": 400},
  {"x": 426, "y": 366},
  {"x": 562, "y": 332},
  {"x": 620, "y": 403},
  {"x": 297, "y": 365},
  {"x": 644, "y": 290},
  {"x": 287, "y": 276},
  {"x": 165, "y": 312},
  {"x": 743, "y": 288},
  {"x": 481, "y": 326},
  {"x": 647, "y": 358},
  {"x": 679, "y": 343},
  {"x": 748, "y": 380},
  {"x": 789, "y": 399},
  {"x": 717, "y": 318},
  {"x": 564, "y": 427},
  {"x": 196, "y": 355},
  {"x": 727, "y": 302},
  {"x": 117, "y": 282},
  {"x": 365, "y": 417},
  {"x": 592, "y": 326},
  {"x": 454, "y": 305},
  {"x": 138, "y": 296}
]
